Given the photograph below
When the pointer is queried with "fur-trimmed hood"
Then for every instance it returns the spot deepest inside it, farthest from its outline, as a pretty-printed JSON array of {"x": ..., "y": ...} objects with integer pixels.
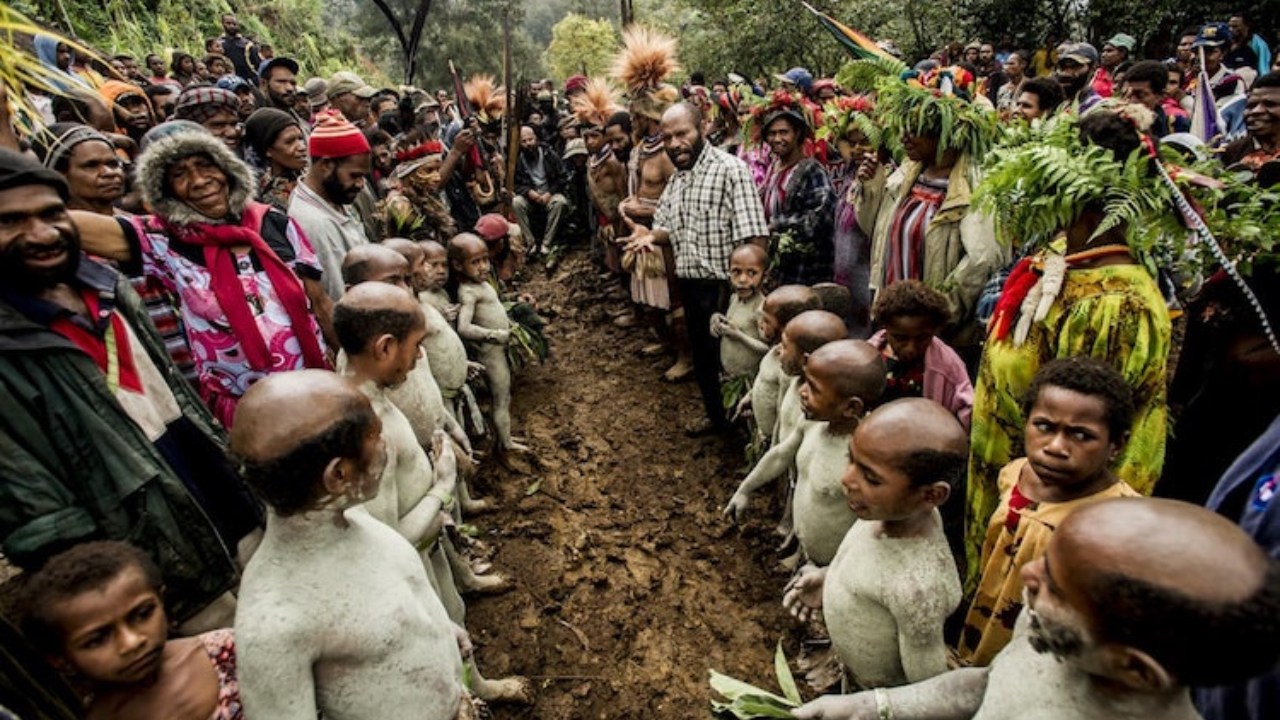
[{"x": 156, "y": 160}]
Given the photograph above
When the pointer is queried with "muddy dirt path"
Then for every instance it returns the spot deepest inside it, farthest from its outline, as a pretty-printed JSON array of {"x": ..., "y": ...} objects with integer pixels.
[{"x": 629, "y": 583}]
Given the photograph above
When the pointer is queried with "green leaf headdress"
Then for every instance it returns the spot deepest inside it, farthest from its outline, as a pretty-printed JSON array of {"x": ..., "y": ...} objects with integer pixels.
[
  {"x": 936, "y": 102},
  {"x": 846, "y": 113},
  {"x": 1040, "y": 179}
]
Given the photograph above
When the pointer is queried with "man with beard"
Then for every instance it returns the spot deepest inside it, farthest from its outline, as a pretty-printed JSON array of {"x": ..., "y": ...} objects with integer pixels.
[
  {"x": 280, "y": 83},
  {"x": 239, "y": 49},
  {"x": 709, "y": 207},
  {"x": 1134, "y": 601},
  {"x": 1076, "y": 66},
  {"x": 541, "y": 185},
  {"x": 617, "y": 132},
  {"x": 97, "y": 417},
  {"x": 350, "y": 94},
  {"x": 321, "y": 206}
]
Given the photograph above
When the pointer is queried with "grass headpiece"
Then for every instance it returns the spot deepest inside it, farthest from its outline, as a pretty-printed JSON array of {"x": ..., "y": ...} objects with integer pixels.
[
  {"x": 646, "y": 60},
  {"x": 936, "y": 103}
]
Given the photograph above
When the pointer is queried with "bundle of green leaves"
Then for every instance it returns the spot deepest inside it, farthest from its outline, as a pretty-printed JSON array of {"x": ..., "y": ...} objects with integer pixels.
[
  {"x": 904, "y": 107},
  {"x": 746, "y": 701}
]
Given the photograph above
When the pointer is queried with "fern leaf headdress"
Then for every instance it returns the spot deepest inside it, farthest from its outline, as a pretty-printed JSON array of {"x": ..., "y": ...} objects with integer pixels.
[{"x": 936, "y": 103}]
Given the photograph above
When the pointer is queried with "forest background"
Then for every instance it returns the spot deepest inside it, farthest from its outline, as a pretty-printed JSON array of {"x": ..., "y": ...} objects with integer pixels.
[{"x": 557, "y": 38}]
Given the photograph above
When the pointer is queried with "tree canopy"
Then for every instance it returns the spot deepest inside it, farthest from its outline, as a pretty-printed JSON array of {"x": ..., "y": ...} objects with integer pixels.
[{"x": 581, "y": 45}]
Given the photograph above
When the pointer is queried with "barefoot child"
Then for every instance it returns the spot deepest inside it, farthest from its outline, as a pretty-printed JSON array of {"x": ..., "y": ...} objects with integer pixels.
[
  {"x": 380, "y": 327},
  {"x": 96, "y": 610},
  {"x": 336, "y": 614},
  {"x": 778, "y": 309},
  {"x": 841, "y": 379},
  {"x": 910, "y": 315},
  {"x": 483, "y": 320},
  {"x": 1078, "y": 414},
  {"x": 893, "y": 582},
  {"x": 445, "y": 351},
  {"x": 741, "y": 346}
]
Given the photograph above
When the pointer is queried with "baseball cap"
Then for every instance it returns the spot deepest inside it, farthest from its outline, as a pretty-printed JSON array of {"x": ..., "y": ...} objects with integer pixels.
[
  {"x": 233, "y": 83},
  {"x": 1082, "y": 52},
  {"x": 1121, "y": 40},
  {"x": 574, "y": 147},
  {"x": 317, "y": 92},
  {"x": 265, "y": 66},
  {"x": 1213, "y": 35},
  {"x": 799, "y": 77},
  {"x": 344, "y": 82}
]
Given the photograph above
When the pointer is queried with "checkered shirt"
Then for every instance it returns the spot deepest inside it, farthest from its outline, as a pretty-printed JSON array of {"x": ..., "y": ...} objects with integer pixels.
[{"x": 709, "y": 210}]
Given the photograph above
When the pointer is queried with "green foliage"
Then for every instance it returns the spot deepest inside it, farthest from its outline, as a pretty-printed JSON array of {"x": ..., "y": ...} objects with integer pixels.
[
  {"x": 580, "y": 45},
  {"x": 1040, "y": 179},
  {"x": 746, "y": 701},
  {"x": 863, "y": 76},
  {"x": 528, "y": 343},
  {"x": 904, "y": 107}
]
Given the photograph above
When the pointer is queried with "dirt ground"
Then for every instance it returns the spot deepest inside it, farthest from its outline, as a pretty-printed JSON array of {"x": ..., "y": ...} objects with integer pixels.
[{"x": 629, "y": 583}]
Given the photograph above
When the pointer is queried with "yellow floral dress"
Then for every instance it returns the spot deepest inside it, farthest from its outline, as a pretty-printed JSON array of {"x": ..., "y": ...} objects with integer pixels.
[
  {"x": 1114, "y": 313},
  {"x": 988, "y": 626}
]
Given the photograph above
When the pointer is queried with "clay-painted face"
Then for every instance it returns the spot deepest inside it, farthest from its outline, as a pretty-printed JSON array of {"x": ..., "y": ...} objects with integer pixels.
[
  {"x": 419, "y": 278},
  {"x": 819, "y": 397},
  {"x": 115, "y": 634},
  {"x": 474, "y": 263},
  {"x": 875, "y": 486},
  {"x": 768, "y": 324},
  {"x": 436, "y": 261},
  {"x": 427, "y": 177},
  {"x": 373, "y": 461},
  {"x": 392, "y": 273},
  {"x": 1068, "y": 442},
  {"x": 910, "y": 336},
  {"x": 791, "y": 357},
  {"x": 404, "y": 354},
  {"x": 745, "y": 274},
  {"x": 1057, "y": 609}
]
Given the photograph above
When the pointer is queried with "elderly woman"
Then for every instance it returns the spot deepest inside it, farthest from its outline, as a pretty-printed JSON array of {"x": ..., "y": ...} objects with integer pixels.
[
  {"x": 278, "y": 150},
  {"x": 246, "y": 279}
]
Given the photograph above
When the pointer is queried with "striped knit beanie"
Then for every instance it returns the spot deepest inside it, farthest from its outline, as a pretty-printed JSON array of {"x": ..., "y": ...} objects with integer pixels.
[{"x": 334, "y": 137}]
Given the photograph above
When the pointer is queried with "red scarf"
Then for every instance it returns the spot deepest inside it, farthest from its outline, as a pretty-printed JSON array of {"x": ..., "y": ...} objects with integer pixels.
[
  {"x": 126, "y": 371},
  {"x": 217, "y": 241}
]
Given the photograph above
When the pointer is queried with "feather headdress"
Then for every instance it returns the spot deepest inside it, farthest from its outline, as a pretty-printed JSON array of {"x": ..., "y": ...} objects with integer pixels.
[
  {"x": 596, "y": 104},
  {"x": 646, "y": 60},
  {"x": 487, "y": 98}
]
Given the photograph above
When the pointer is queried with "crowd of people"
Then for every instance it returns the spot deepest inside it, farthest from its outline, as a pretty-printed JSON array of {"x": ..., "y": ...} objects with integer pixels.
[{"x": 258, "y": 336}]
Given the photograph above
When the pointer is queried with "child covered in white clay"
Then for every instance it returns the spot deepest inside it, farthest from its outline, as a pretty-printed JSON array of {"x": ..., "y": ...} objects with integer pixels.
[
  {"x": 380, "y": 327},
  {"x": 741, "y": 346},
  {"x": 336, "y": 614},
  {"x": 483, "y": 320},
  {"x": 893, "y": 582},
  {"x": 97, "y": 613},
  {"x": 841, "y": 380},
  {"x": 445, "y": 350},
  {"x": 778, "y": 309}
]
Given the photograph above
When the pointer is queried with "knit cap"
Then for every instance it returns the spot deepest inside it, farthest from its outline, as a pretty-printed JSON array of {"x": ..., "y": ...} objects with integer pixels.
[
  {"x": 334, "y": 137},
  {"x": 198, "y": 103},
  {"x": 263, "y": 127}
]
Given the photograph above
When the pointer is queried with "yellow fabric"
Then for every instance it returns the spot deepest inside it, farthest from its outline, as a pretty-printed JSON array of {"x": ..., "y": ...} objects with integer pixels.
[
  {"x": 1114, "y": 313},
  {"x": 988, "y": 625}
]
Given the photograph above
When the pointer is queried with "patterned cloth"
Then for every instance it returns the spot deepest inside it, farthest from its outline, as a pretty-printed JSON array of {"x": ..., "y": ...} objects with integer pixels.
[
  {"x": 1018, "y": 532},
  {"x": 223, "y": 369},
  {"x": 1114, "y": 313},
  {"x": 221, "y": 648},
  {"x": 709, "y": 210},
  {"x": 910, "y": 221},
  {"x": 275, "y": 190},
  {"x": 801, "y": 214},
  {"x": 852, "y": 250}
]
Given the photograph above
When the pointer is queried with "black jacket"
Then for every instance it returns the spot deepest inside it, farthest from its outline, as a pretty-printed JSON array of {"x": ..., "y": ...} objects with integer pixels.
[{"x": 557, "y": 178}]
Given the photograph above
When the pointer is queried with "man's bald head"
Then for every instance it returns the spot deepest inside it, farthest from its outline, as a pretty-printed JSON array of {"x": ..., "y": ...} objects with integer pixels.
[
  {"x": 853, "y": 368},
  {"x": 1178, "y": 582},
  {"x": 283, "y": 453},
  {"x": 371, "y": 262},
  {"x": 930, "y": 443},
  {"x": 683, "y": 111},
  {"x": 372, "y": 309},
  {"x": 788, "y": 301}
]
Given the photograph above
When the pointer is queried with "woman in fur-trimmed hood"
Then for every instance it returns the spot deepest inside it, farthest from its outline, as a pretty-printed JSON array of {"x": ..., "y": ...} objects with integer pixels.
[{"x": 244, "y": 275}]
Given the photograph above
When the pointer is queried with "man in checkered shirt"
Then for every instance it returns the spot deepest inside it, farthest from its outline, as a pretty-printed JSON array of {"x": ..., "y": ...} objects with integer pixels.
[{"x": 710, "y": 206}]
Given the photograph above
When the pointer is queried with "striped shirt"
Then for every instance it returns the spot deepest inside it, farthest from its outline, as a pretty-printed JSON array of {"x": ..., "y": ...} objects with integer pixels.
[
  {"x": 910, "y": 222},
  {"x": 708, "y": 210}
]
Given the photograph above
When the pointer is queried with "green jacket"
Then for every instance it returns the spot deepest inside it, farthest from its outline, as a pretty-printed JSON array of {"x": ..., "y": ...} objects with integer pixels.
[{"x": 75, "y": 467}]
